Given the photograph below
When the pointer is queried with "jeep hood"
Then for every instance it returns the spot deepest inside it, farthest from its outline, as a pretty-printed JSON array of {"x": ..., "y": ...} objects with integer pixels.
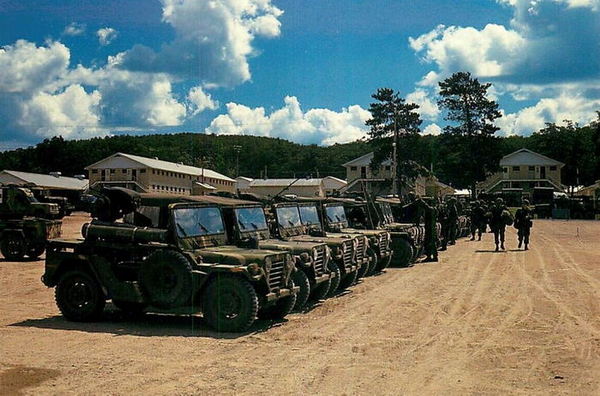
[
  {"x": 295, "y": 247},
  {"x": 232, "y": 255}
]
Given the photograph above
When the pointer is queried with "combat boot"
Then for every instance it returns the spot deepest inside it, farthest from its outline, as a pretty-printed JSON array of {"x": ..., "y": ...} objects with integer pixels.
[
  {"x": 520, "y": 243},
  {"x": 526, "y": 247},
  {"x": 502, "y": 246}
]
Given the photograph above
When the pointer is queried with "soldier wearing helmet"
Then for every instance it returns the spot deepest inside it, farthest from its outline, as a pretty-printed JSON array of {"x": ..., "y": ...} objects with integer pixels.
[
  {"x": 499, "y": 218},
  {"x": 523, "y": 223}
]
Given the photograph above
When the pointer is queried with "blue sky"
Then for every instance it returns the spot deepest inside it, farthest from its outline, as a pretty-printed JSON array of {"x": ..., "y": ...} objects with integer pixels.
[{"x": 300, "y": 70}]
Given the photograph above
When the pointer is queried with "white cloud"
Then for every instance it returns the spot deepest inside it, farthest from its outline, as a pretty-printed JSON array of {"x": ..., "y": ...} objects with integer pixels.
[
  {"x": 316, "y": 126},
  {"x": 432, "y": 129},
  {"x": 567, "y": 106},
  {"x": 213, "y": 40},
  {"x": 200, "y": 101},
  {"x": 74, "y": 29},
  {"x": 428, "y": 109},
  {"x": 106, "y": 35}
]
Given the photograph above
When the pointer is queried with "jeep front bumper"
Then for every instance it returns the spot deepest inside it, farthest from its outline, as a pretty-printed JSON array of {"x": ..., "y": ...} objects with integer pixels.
[{"x": 276, "y": 295}]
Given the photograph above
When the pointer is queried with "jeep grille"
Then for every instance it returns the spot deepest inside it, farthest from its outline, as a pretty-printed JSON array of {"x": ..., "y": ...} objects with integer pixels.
[
  {"x": 277, "y": 274},
  {"x": 348, "y": 254},
  {"x": 360, "y": 249},
  {"x": 384, "y": 242},
  {"x": 320, "y": 261}
]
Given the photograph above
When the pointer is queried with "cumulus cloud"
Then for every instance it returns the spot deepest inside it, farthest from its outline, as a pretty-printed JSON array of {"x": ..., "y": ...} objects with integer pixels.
[
  {"x": 213, "y": 40},
  {"x": 199, "y": 101},
  {"x": 432, "y": 129},
  {"x": 315, "y": 126},
  {"x": 428, "y": 109},
  {"x": 106, "y": 35},
  {"x": 74, "y": 29}
]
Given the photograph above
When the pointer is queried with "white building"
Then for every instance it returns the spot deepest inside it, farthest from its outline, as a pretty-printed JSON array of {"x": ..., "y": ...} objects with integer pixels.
[{"x": 54, "y": 181}]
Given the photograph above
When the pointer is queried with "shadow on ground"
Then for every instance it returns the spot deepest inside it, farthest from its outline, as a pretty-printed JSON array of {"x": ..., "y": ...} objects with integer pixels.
[{"x": 147, "y": 325}]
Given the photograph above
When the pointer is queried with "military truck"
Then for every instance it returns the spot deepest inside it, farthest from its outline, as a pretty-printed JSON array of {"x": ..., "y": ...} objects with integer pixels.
[
  {"x": 247, "y": 224},
  {"x": 167, "y": 255},
  {"x": 65, "y": 208},
  {"x": 333, "y": 215},
  {"x": 17, "y": 202},
  {"x": 26, "y": 237},
  {"x": 349, "y": 253}
]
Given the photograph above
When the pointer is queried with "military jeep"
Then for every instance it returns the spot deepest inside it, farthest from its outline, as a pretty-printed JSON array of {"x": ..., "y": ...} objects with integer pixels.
[
  {"x": 17, "y": 202},
  {"x": 348, "y": 252},
  {"x": 167, "y": 255},
  {"x": 26, "y": 237},
  {"x": 247, "y": 225}
]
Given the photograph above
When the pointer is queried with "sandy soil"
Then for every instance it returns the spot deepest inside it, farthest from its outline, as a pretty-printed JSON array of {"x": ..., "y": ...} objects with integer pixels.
[{"x": 478, "y": 322}]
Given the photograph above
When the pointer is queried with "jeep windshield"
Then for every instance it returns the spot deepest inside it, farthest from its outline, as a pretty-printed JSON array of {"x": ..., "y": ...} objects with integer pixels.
[
  {"x": 335, "y": 214},
  {"x": 309, "y": 215},
  {"x": 251, "y": 219},
  {"x": 192, "y": 222},
  {"x": 288, "y": 217}
]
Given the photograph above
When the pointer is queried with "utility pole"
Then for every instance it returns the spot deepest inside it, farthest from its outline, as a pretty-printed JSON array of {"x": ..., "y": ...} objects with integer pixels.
[
  {"x": 396, "y": 185},
  {"x": 237, "y": 149}
]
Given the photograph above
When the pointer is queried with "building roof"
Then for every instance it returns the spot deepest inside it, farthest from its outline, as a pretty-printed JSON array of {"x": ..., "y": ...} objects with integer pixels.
[
  {"x": 205, "y": 186},
  {"x": 285, "y": 182},
  {"x": 244, "y": 178},
  {"x": 335, "y": 179},
  {"x": 365, "y": 160},
  {"x": 48, "y": 181},
  {"x": 528, "y": 157},
  {"x": 165, "y": 166}
]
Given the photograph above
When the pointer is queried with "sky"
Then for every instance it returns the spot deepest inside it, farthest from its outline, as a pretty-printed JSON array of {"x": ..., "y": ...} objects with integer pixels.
[{"x": 298, "y": 70}]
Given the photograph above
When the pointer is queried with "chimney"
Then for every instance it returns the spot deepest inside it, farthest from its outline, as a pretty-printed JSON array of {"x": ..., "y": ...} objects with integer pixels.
[{"x": 55, "y": 174}]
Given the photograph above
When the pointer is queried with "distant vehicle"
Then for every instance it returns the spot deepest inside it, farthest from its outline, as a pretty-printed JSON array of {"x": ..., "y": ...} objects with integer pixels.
[
  {"x": 166, "y": 255},
  {"x": 17, "y": 202},
  {"x": 26, "y": 237},
  {"x": 65, "y": 208}
]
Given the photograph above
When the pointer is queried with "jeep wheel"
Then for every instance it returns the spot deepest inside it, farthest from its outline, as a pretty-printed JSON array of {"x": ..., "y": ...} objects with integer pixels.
[
  {"x": 130, "y": 308},
  {"x": 36, "y": 251},
  {"x": 13, "y": 247},
  {"x": 348, "y": 280},
  {"x": 301, "y": 280},
  {"x": 384, "y": 263},
  {"x": 363, "y": 270},
  {"x": 319, "y": 291},
  {"x": 166, "y": 279},
  {"x": 374, "y": 262},
  {"x": 335, "y": 282},
  {"x": 229, "y": 303},
  {"x": 280, "y": 309},
  {"x": 403, "y": 253},
  {"x": 79, "y": 297}
]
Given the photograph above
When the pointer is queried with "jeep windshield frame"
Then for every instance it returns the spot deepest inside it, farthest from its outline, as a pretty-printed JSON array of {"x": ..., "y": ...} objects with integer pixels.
[
  {"x": 197, "y": 226},
  {"x": 335, "y": 214},
  {"x": 309, "y": 215},
  {"x": 288, "y": 220},
  {"x": 250, "y": 219}
]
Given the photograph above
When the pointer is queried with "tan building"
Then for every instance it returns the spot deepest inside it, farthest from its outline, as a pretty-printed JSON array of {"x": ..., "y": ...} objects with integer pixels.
[
  {"x": 522, "y": 171},
  {"x": 53, "y": 182},
  {"x": 154, "y": 175},
  {"x": 361, "y": 177},
  {"x": 300, "y": 187}
]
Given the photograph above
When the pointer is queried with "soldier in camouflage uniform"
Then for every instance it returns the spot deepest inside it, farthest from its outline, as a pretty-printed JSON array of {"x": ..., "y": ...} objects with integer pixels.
[
  {"x": 478, "y": 223},
  {"x": 452, "y": 218},
  {"x": 497, "y": 221},
  {"x": 523, "y": 223},
  {"x": 431, "y": 240}
]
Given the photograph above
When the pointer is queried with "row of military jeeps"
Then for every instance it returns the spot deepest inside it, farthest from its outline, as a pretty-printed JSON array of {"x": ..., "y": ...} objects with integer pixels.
[{"x": 233, "y": 259}]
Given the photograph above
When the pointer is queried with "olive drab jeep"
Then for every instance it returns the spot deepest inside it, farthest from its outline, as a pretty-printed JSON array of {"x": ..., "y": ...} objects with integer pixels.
[
  {"x": 333, "y": 213},
  {"x": 26, "y": 237},
  {"x": 17, "y": 202},
  {"x": 247, "y": 225},
  {"x": 407, "y": 238},
  {"x": 348, "y": 252},
  {"x": 167, "y": 255}
]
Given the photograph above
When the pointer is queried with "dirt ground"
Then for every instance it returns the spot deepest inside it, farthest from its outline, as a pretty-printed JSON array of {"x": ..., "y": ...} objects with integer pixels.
[{"x": 478, "y": 322}]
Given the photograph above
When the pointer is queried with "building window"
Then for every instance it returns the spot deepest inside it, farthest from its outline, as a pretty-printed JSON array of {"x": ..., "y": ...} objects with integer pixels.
[
  {"x": 387, "y": 168},
  {"x": 94, "y": 171},
  {"x": 516, "y": 168},
  {"x": 353, "y": 168},
  {"x": 153, "y": 172},
  {"x": 505, "y": 170},
  {"x": 553, "y": 168},
  {"x": 532, "y": 168},
  {"x": 124, "y": 170},
  {"x": 112, "y": 171},
  {"x": 142, "y": 170}
]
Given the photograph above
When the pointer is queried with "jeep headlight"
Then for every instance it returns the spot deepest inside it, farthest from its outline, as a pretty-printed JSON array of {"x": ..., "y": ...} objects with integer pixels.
[
  {"x": 374, "y": 241},
  {"x": 305, "y": 257},
  {"x": 254, "y": 269}
]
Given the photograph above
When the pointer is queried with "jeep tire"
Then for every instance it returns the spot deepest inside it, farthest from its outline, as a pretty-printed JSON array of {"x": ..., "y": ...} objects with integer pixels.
[
  {"x": 79, "y": 297},
  {"x": 229, "y": 303},
  {"x": 166, "y": 279},
  {"x": 300, "y": 279},
  {"x": 12, "y": 247},
  {"x": 335, "y": 282},
  {"x": 280, "y": 308}
]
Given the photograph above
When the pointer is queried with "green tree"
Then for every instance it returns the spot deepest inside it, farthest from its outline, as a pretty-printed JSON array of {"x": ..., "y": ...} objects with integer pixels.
[
  {"x": 471, "y": 115},
  {"x": 394, "y": 124}
]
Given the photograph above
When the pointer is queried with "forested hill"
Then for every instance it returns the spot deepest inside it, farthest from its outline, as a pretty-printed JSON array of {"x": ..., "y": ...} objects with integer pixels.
[
  {"x": 279, "y": 157},
  {"x": 578, "y": 147}
]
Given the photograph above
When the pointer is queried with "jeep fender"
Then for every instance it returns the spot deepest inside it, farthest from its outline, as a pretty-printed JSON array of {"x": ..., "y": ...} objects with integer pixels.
[{"x": 71, "y": 262}]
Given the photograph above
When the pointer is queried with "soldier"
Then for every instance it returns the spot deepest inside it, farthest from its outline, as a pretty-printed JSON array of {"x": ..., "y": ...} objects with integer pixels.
[
  {"x": 443, "y": 218},
  {"x": 452, "y": 218},
  {"x": 478, "y": 223},
  {"x": 498, "y": 221},
  {"x": 431, "y": 241},
  {"x": 523, "y": 223}
]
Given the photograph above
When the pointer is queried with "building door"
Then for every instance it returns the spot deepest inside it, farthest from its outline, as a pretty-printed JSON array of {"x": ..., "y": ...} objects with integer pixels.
[
  {"x": 134, "y": 174},
  {"x": 363, "y": 172},
  {"x": 103, "y": 174},
  {"x": 542, "y": 172}
]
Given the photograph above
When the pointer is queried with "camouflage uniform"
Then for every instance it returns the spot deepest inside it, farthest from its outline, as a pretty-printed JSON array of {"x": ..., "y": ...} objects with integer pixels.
[
  {"x": 478, "y": 223},
  {"x": 431, "y": 240},
  {"x": 452, "y": 218},
  {"x": 498, "y": 223},
  {"x": 523, "y": 224}
]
